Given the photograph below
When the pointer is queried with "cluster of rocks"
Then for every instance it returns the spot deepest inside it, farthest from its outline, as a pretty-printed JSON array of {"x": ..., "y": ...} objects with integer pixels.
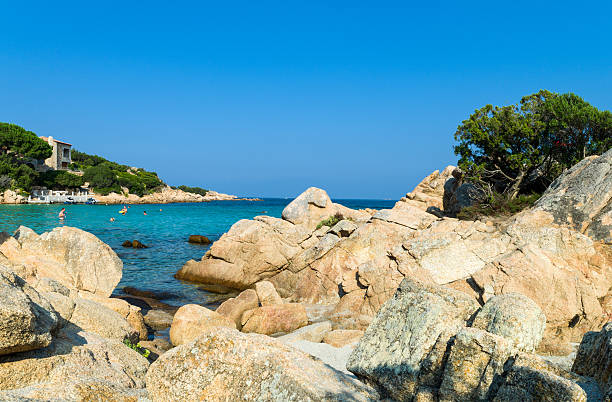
[
  {"x": 133, "y": 244},
  {"x": 61, "y": 336},
  {"x": 434, "y": 343},
  {"x": 12, "y": 197},
  {"x": 556, "y": 253},
  {"x": 452, "y": 310},
  {"x": 260, "y": 310}
]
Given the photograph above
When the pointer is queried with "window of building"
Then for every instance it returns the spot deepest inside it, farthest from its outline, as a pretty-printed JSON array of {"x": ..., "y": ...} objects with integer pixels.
[{"x": 66, "y": 153}]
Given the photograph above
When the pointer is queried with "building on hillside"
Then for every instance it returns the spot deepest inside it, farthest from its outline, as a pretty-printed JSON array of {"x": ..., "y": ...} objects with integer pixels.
[{"x": 60, "y": 159}]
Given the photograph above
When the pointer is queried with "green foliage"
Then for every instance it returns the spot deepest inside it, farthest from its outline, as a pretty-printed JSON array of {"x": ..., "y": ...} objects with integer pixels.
[
  {"x": 23, "y": 143},
  {"x": 143, "y": 351},
  {"x": 100, "y": 176},
  {"x": 59, "y": 179},
  {"x": 497, "y": 204},
  {"x": 194, "y": 190},
  {"x": 502, "y": 147},
  {"x": 106, "y": 176},
  {"x": 18, "y": 149},
  {"x": 331, "y": 221}
]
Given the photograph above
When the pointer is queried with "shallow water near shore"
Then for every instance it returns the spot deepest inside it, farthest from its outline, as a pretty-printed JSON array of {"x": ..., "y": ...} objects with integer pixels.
[{"x": 165, "y": 232}]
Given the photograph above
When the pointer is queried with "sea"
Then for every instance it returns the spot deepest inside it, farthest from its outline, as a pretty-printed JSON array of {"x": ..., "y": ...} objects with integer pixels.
[{"x": 164, "y": 229}]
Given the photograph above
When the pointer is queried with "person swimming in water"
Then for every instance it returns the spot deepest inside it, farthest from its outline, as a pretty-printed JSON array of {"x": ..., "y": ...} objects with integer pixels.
[
  {"x": 144, "y": 213},
  {"x": 112, "y": 219},
  {"x": 62, "y": 214}
]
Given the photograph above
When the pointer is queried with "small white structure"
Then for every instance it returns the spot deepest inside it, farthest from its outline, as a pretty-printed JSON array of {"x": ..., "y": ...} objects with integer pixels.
[{"x": 44, "y": 196}]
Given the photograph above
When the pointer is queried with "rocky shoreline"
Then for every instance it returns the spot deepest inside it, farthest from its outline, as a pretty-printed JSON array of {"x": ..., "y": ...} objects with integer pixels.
[
  {"x": 167, "y": 195},
  {"x": 402, "y": 304}
]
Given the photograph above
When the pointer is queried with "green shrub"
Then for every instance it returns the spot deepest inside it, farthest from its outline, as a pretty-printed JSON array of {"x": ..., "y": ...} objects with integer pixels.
[
  {"x": 100, "y": 176},
  {"x": 498, "y": 205},
  {"x": 143, "y": 351},
  {"x": 331, "y": 221},
  {"x": 194, "y": 190},
  {"x": 59, "y": 179}
]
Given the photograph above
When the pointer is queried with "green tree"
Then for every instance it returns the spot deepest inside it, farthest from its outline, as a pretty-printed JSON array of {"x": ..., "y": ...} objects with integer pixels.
[
  {"x": 23, "y": 143},
  {"x": 499, "y": 145},
  {"x": 572, "y": 128},
  {"x": 545, "y": 133},
  {"x": 100, "y": 176}
]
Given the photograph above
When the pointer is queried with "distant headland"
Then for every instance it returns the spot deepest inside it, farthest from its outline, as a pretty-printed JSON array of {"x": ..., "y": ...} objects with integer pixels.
[{"x": 41, "y": 169}]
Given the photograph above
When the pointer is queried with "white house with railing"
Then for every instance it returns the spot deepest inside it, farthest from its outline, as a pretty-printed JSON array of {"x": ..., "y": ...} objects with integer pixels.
[{"x": 44, "y": 196}]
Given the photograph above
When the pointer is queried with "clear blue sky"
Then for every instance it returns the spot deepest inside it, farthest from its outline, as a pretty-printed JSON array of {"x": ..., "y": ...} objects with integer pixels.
[{"x": 269, "y": 98}]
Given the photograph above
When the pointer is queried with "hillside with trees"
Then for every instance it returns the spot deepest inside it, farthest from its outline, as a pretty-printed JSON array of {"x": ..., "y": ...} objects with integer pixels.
[
  {"x": 21, "y": 150},
  {"x": 106, "y": 176}
]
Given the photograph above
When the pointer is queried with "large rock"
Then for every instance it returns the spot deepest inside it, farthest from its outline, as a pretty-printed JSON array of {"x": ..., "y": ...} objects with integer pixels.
[
  {"x": 309, "y": 208},
  {"x": 75, "y": 355},
  {"x": 99, "y": 319},
  {"x": 313, "y": 206},
  {"x": 515, "y": 317},
  {"x": 73, "y": 257},
  {"x": 461, "y": 196},
  {"x": 222, "y": 364},
  {"x": 582, "y": 197},
  {"x": 26, "y": 318},
  {"x": 280, "y": 318},
  {"x": 475, "y": 366},
  {"x": 130, "y": 313},
  {"x": 594, "y": 358},
  {"x": 191, "y": 320},
  {"x": 252, "y": 250},
  {"x": 404, "y": 347},
  {"x": 429, "y": 192},
  {"x": 527, "y": 384},
  {"x": 235, "y": 307}
]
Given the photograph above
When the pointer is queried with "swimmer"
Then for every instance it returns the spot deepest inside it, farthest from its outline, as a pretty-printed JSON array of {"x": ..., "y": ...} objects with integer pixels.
[
  {"x": 145, "y": 213},
  {"x": 160, "y": 210},
  {"x": 112, "y": 219},
  {"x": 62, "y": 214}
]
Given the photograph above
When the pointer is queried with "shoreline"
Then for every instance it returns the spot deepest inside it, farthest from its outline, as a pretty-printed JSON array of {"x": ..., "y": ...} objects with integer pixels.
[{"x": 166, "y": 196}]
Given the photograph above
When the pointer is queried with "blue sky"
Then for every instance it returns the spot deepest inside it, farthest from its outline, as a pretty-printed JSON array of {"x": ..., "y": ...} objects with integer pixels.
[{"x": 269, "y": 98}]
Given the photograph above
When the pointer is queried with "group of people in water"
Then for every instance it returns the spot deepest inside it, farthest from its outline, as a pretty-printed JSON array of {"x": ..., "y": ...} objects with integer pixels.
[{"x": 122, "y": 211}]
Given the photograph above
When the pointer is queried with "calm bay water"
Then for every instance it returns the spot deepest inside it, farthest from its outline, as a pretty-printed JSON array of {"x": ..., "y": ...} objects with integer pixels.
[{"x": 165, "y": 230}]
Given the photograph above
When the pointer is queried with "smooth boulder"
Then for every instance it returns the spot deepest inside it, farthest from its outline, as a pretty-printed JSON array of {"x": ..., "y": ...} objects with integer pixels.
[
  {"x": 235, "y": 307},
  {"x": 26, "y": 318},
  {"x": 223, "y": 364},
  {"x": 513, "y": 316},
  {"x": 71, "y": 256},
  {"x": 191, "y": 320},
  {"x": 274, "y": 319}
]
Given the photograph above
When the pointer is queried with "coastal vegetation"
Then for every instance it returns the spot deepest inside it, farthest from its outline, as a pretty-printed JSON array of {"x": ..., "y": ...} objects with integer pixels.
[
  {"x": 194, "y": 190},
  {"x": 106, "y": 176},
  {"x": 522, "y": 148},
  {"x": 19, "y": 150},
  {"x": 496, "y": 204},
  {"x": 331, "y": 221}
]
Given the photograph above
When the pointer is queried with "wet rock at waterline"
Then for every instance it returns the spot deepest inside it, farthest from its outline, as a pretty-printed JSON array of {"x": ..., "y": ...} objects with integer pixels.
[{"x": 198, "y": 239}]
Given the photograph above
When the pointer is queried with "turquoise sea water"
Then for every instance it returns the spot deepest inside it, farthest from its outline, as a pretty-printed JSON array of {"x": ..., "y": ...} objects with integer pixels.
[{"x": 165, "y": 232}]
